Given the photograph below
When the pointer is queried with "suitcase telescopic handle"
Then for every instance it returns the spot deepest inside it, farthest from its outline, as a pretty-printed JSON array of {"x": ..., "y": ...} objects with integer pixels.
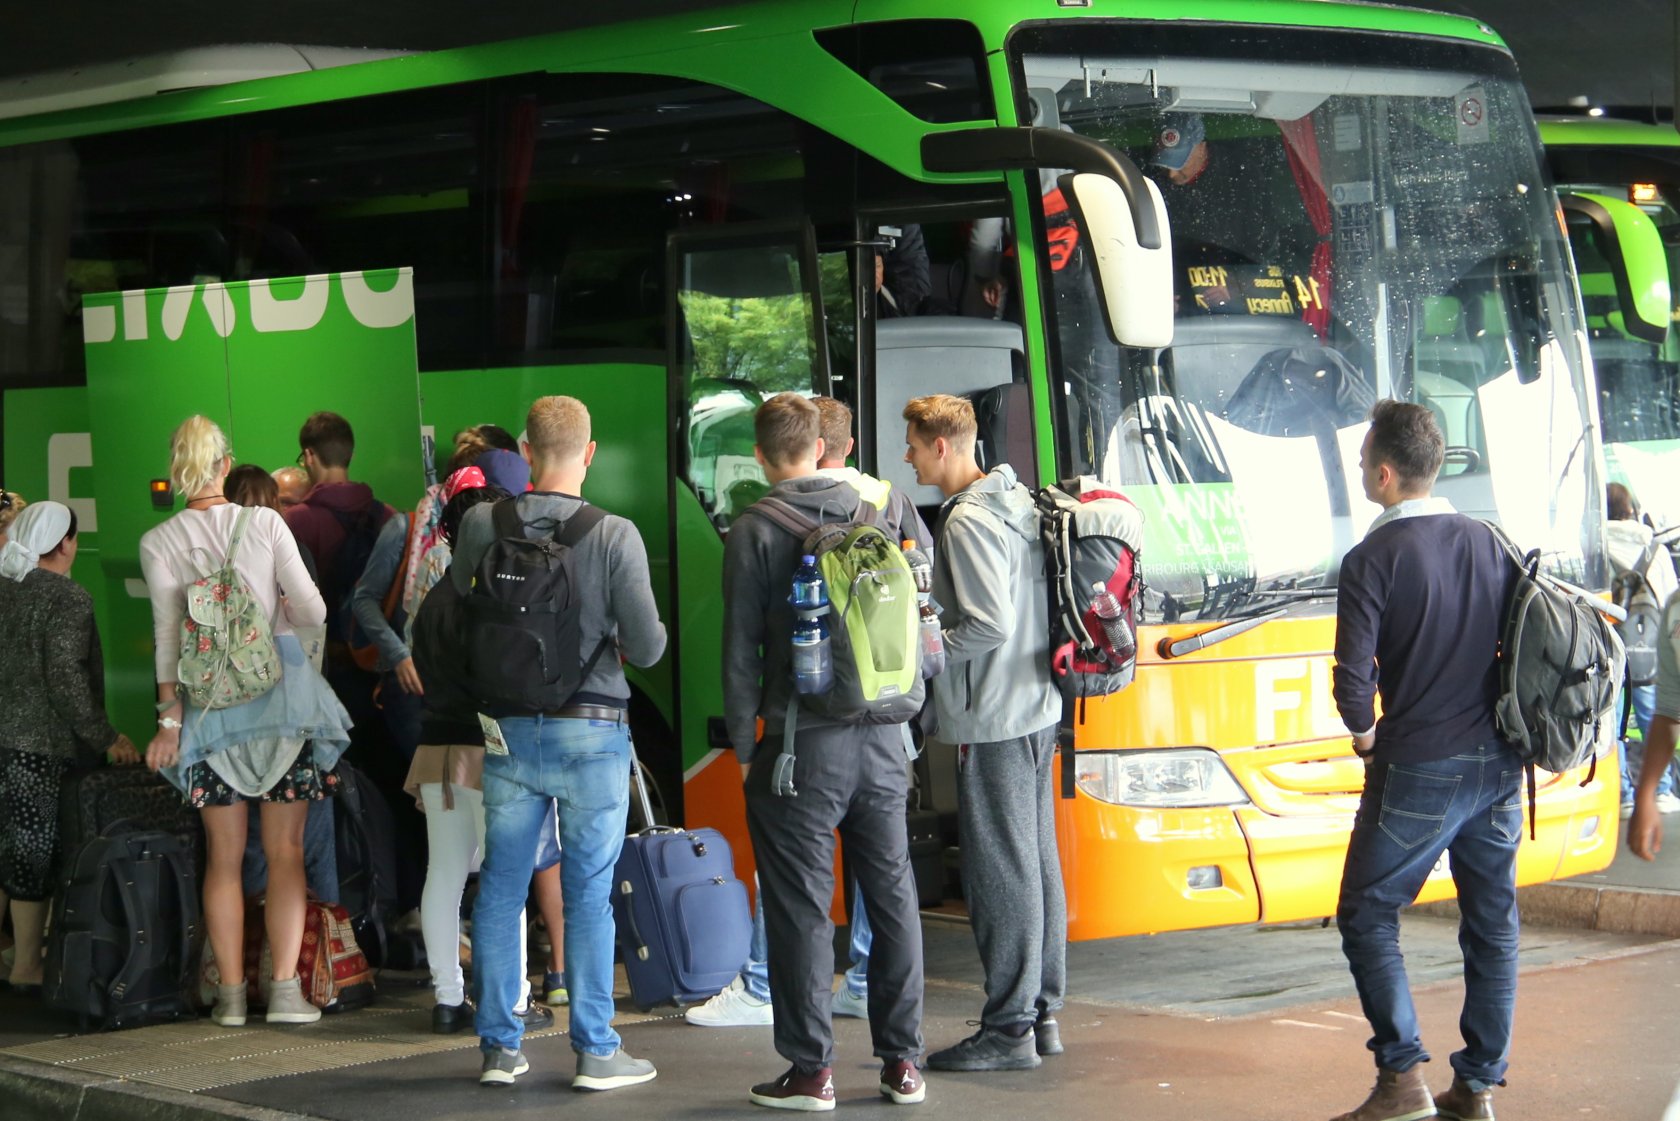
[{"x": 637, "y": 773}]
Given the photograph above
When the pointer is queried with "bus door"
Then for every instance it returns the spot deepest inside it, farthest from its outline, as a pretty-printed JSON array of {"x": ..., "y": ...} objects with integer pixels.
[
  {"x": 746, "y": 326},
  {"x": 257, "y": 357}
]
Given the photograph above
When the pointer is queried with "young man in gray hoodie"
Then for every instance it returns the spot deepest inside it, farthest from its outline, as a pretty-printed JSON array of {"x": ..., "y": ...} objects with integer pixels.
[
  {"x": 846, "y": 777},
  {"x": 996, "y": 701}
]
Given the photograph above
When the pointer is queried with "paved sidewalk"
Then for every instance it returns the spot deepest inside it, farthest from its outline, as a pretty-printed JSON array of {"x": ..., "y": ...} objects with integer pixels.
[{"x": 1248, "y": 1023}]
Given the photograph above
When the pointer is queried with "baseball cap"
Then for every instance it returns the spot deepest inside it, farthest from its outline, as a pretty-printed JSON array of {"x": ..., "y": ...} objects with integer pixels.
[
  {"x": 506, "y": 470},
  {"x": 1179, "y": 135}
]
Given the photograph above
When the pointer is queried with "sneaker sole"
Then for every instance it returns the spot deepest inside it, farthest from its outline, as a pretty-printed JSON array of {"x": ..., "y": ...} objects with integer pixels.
[
  {"x": 768, "y": 1022},
  {"x": 503, "y": 1077},
  {"x": 1415, "y": 1115},
  {"x": 615, "y": 1082},
  {"x": 292, "y": 1017},
  {"x": 230, "y": 1021},
  {"x": 1031, "y": 1062},
  {"x": 898, "y": 1098},
  {"x": 802, "y": 1104},
  {"x": 1052, "y": 1049}
]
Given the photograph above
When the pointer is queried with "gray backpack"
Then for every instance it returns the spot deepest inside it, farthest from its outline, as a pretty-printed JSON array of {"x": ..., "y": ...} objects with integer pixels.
[{"x": 1560, "y": 663}]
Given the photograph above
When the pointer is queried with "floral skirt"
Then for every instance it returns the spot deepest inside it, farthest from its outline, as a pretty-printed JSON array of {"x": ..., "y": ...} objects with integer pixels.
[{"x": 304, "y": 782}]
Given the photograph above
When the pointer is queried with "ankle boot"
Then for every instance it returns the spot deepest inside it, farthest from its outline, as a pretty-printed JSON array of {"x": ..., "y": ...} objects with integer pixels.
[
  {"x": 1399, "y": 1095},
  {"x": 287, "y": 1004},
  {"x": 1460, "y": 1103},
  {"x": 229, "y": 1009}
]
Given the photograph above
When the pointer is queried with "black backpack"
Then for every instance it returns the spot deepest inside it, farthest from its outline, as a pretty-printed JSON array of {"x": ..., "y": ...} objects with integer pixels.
[
  {"x": 361, "y": 532},
  {"x": 520, "y": 635},
  {"x": 123, "y": 929},
  {"x": 364, "y": 837}
]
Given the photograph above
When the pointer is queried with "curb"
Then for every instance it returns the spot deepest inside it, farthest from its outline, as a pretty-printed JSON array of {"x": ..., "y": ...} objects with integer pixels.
[
  {"x": 1607, "y": 908},
  {"x": 42, "y": 1092}
]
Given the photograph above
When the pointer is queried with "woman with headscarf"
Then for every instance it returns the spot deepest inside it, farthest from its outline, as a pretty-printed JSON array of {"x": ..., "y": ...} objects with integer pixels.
[
  {"x": 278, "y": 749},
  {"x": 52, "y": 713}
]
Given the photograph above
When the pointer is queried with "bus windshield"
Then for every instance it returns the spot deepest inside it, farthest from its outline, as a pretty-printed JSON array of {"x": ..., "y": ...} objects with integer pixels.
[{"x": 1353, "y": 217}]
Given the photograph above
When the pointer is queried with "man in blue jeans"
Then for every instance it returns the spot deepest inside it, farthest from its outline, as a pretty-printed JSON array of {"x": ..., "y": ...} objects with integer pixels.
[
  {"x": 579, "y": 755},
  {"x": 1421, "y": 604}
]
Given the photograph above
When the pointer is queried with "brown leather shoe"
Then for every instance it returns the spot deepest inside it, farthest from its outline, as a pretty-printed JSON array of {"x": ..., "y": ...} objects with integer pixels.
[
  {"x": 1460, "y": 1103},
  {"x": 1400, "y": 1095},
  {"x": 810, "y": 1093}
]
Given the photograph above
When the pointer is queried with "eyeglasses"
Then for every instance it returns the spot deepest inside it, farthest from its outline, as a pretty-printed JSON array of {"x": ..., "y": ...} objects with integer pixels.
[{"x": 301, "y": 455}]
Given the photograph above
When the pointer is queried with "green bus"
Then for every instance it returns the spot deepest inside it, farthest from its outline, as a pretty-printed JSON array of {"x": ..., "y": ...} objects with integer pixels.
[
  {"x": 675, "y": 218},
  {"x": 1620, "y": 182}
]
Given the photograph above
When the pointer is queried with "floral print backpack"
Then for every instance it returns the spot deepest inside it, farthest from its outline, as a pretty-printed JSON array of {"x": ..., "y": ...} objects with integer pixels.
[{"x": 227, "y": 645}]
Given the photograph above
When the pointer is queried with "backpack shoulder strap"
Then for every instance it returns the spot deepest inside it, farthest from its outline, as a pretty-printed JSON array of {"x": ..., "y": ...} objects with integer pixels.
[
  {"x": 239, "y": 525},
  {"x": 505, "y": 520},
  {"x": 393, "y": 594},
  {"x": 577, "y": 527},
  {"x": 783, "y": 514}
]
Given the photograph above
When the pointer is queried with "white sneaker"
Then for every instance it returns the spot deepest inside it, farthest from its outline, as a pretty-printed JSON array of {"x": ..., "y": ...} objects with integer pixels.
[
  {"x": 1667, "y": 804},
  {"x": 734, "y": 1007},
  {"x": 1627, "y": 810},
  {"x": 845, "y": 1004}
]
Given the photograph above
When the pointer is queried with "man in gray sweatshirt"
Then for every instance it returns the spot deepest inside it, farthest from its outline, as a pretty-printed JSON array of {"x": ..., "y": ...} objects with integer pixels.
[
  {"x": 996, "y": 701},
  {"x": 846, "y": 777}
]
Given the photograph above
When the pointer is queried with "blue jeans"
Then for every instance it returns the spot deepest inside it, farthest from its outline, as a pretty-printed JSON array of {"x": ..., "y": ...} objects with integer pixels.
[
  {"x": 320, "y": 853},
  {"x": 1469, "y": 806},
  {"x": 1632, "y": 755},
  {"x": 584, "y": 765},
  {"x": 756, "y": 973}
]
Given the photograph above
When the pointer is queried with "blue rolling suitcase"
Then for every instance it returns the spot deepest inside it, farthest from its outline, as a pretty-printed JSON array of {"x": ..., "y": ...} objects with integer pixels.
[{"x": 684, "y": 925}]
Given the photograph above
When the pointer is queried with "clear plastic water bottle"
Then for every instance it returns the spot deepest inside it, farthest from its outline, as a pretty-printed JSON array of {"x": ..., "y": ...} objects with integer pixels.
[
  {"x": 813, "y": 663},
  {"x": 1111, "y": 616},
  {"x": 921, "y": 569},
  {"x": 933, "y": 637},
  {"x": 809, "y": 591}
]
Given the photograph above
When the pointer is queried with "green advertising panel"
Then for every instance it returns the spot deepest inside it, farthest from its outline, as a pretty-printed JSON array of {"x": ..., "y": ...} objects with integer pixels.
[{"x": 258, "y": 357}]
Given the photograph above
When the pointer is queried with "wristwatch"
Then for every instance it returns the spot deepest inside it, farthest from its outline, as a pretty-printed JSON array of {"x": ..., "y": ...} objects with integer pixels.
[{"x": 169, "y": 722}]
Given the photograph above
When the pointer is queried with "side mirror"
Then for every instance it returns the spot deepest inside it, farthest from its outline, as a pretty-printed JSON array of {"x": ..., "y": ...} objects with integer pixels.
[
  {"x": 1627, "y": 240},
  {"x": 1134, "y": 280},
  {"x": 1118, "y": 207}
]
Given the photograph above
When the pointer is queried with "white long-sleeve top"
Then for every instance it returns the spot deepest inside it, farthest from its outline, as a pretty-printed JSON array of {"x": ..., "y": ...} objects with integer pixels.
[{"x": 176, "y": 553}]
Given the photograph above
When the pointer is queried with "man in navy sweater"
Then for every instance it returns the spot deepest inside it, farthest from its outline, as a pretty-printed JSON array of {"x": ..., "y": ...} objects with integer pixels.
[{"x": 1420, "y": 608}]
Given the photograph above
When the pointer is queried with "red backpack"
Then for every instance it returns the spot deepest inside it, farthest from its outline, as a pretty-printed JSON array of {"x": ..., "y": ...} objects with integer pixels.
[{"x": 1091, "y": 535}]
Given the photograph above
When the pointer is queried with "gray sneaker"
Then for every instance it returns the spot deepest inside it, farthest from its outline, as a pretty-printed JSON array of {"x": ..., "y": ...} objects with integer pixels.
[
  {"x": 1047, "y": 1036},
  {"x": 610, "y": 1072},
  {"x": 501, "y": 1067},
  {"x": 988, "y": 1049}
]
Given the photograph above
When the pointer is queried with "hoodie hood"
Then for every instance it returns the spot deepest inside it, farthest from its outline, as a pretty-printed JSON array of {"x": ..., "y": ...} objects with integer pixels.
[
  {"x": 822, "y": 497},
  {"x": 1001, "y": 493},
  {"x": 348, "y": 498},
  {"x": 875, "y": 491}
]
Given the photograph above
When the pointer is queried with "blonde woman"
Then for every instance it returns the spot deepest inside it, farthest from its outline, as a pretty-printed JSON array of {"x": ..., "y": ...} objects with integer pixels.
[{"x": 277, "y": 749}]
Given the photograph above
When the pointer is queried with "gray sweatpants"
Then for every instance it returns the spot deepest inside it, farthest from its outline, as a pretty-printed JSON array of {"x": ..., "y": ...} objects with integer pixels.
[
  {"x": 853, "y": 779},
  {"x": 1011, "y": 875}
]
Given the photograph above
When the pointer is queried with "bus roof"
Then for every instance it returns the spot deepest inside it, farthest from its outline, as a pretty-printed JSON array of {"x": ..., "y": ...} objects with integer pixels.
[
  {"x": 751, "y": 47},
  {"x": 1602, "y": 132}
]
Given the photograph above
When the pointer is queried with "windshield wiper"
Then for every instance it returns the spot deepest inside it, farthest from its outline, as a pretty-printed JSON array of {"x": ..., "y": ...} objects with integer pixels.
[{"x": 1178, "y": 648}]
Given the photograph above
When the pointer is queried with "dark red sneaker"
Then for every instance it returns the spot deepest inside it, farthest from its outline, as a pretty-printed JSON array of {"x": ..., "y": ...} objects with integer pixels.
[
  {"x": 813, "y": 1093},
  {"x": 902, "y": 1082}
]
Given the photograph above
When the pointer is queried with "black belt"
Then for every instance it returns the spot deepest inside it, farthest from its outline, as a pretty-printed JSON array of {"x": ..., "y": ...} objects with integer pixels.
[{"x": 588, "y": 712}]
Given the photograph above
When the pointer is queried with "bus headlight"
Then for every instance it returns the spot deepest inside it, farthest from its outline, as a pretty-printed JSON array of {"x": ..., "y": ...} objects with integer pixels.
[{"x": 1158, "y": 778}]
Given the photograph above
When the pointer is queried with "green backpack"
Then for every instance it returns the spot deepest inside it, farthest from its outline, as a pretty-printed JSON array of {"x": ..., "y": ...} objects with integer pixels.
[
  {"x": 874, "y": 621},
  {"x": 227, "y": 645}
]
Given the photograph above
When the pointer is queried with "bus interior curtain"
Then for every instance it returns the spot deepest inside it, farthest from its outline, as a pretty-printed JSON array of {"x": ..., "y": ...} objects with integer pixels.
[{"x": 1307, "y": 165}]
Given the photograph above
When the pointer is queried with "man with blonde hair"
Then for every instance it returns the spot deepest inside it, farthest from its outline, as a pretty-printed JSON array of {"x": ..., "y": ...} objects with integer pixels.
[
  {"x": 577, "y": 754},
  {"x": 996, "y": 701},
  {"x": 847, "y": 777}
]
